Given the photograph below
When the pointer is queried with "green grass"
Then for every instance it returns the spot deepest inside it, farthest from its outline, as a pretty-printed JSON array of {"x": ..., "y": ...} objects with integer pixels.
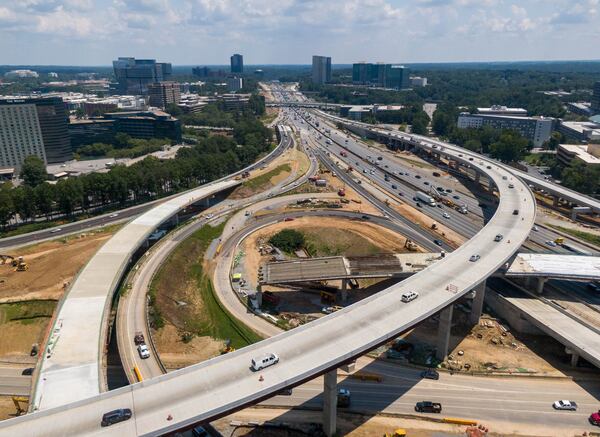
[
  {"x": 264, "y": 179},
  {"x": 540, "y": 159},
  {"x": 26, "y": 312},
  {"x": 214, "y": 320},
  {"x": 585, "y": 236}
]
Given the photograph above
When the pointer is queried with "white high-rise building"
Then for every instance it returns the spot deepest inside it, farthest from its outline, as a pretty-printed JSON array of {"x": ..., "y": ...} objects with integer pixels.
[
  {"x": 321, "y": 69},
  {"x": 20, "y": 134}
]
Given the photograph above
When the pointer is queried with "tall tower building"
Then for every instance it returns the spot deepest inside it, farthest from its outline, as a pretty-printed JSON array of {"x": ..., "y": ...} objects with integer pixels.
[
  {"x": 237, "y": 63},
  {"x": 36, "y": 126},
  {"x": 596, "y": 98},
  {"x": 321, "y": 69}
]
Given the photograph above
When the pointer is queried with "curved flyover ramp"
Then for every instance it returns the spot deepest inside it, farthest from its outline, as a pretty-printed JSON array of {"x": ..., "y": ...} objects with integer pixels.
[
  {"x": 226, "y": 383},
  {"x": 71, "y": 367}
]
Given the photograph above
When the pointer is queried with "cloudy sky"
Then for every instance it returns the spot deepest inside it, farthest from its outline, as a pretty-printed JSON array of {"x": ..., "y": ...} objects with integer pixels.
[{"x": 94, "y": 32}]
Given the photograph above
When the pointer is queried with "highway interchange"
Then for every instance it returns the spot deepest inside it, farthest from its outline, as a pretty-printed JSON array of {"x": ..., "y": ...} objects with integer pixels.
[{"x": 359, "y": 327}]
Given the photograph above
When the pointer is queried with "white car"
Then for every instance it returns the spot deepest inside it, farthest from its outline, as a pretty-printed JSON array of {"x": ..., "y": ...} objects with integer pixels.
[
  {"x": 143, "y": 351},
  {"x": 565, "y": 405},
  {"x": 409, "y": 296},
  {"x": 266, "y": 360},
  {"x": 55, "y": 230},
  {"x": 474, "y": 258},
  {"x": 113, "y": 215},
  {"x": 446, "y": 215}
]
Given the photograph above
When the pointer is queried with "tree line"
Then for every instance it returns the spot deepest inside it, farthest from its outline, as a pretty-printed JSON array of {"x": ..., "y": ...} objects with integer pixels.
[{"x": 211, "y": 158}]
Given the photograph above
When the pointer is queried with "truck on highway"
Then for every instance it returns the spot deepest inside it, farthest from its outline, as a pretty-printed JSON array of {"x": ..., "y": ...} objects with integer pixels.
[
  {"x": 343, "y": 153},
  {"x": 425, "y": 198}
]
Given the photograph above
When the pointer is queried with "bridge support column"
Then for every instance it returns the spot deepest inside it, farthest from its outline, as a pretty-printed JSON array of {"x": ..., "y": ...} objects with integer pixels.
[
  {"x": 573, "y": 214},
  {"x": 574, "y": 359},
  {"x": 330, "y": 402},
  {"x": 555, "y": 200},
  {"x": 344, "y": 294},
  {"x": 443, "y": 335},
  {"x": 477, "y": 177},
  {"x": 540, "y": 285},
  {"x": 477, "y": 304},
  {"x": 258, "y": 296}
]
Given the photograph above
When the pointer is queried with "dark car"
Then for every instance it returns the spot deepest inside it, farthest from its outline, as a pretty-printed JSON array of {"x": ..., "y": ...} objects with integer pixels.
[
  {"x": 438, "y": 242},
  {"x": 365, "y": 217},
  {"x": 27, "y": 372},
  {"x": 199, "y": 431},
  {"x": 428, "y": 407},
  {"x": 419, "y": 204},
  {"x": 395, "y": 187},
  {"x": 456, "y": 197},
  {"x": 516, "y": 212},
  {"x": 417, "y": 176},
  {"x": 430, "y": 374},
  {"x": 116, "y": 416},
  {"x": 594, "y": 286}
]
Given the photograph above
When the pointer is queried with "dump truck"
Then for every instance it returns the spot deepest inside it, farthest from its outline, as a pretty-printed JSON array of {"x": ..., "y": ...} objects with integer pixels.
[{"x": 139, "y": 338}]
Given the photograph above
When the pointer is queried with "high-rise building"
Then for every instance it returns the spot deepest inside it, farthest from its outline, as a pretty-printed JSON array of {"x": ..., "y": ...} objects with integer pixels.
[
  {"x": 237, "y": 63},
  {"x": 134, "y": 75},
  {"x": 201, "y": 71},
  {"x": 380, "y": 75},
  {"x": 321, "y": 69},
  {"x": 360, "y": 73},
  {"x": 235, "y": 84},
  {"x": 36, "y": 126},
  {"x": 396, "y": 77},
  {"x": 164, "y": 93},
  {"x": 595, "y": 106}
]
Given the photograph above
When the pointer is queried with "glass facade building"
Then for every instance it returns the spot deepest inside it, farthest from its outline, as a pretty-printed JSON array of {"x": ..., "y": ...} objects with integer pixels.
[
  {"x": 321, "y": 69},
  {"x": 134, "y": 75},
  {"x": 237, "y": 63}
]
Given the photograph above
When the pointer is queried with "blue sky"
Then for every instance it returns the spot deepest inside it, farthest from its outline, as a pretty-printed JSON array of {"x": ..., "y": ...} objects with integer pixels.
[{"x": 94, "y": 32}]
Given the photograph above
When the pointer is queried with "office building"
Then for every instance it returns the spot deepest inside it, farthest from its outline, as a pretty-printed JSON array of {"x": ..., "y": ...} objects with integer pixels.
[
  {"x": 146, "y": 124},
  {"x": 535, "y": 129},
  {"x": 164, "y": 93},
  {"x": 201, "y": 71},
  {"x": 580, "y": 130},
  {"x": 134, "y": 75},
  {"x": 321, "y": 69},
  {"x": 259, "y": 74},
  {"x": 234, "y": 84},
  {"x": 580, "y": 108},
  {"x": 503, "y": 110},
  {"x": 33, "y": 126},
  {"x": 595, "y": 103},
  {"x": 237, "y": 63},
  {"x": 381, "y": 75},
  {"x": 396, "y": 77},
  {"x": 90, "y": 131},
  {"x": 589, "y": 154},
  {"x": 416, "y": 81}
]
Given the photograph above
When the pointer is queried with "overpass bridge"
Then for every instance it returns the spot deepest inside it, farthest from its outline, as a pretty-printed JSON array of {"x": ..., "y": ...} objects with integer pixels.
[
  {"x": 225, "y": 384},
  {"x": 307, "y": 105}
]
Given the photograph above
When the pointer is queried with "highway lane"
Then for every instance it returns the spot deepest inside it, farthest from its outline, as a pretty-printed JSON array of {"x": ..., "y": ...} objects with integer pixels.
[
  {"x": 517, "y": 400},
  {"x": 13, "y": 382}
]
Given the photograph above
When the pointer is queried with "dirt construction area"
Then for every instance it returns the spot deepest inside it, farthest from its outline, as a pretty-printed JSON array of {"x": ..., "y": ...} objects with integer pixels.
[{"x": 52, "y": 265}]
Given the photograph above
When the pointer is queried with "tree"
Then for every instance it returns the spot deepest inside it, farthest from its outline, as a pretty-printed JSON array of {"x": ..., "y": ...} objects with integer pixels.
[
  {"x": 582, "y": 178},
  {"x": 553, "y": 141},
  {"x": 419, "y": 126},
  {"x": 510, "y": 147},
  {"x": 288, "y": 240},
  {"x": 174, "y": 110},
  {"x": 6, "y": 204},
  {"x": 33, "y": 171}
]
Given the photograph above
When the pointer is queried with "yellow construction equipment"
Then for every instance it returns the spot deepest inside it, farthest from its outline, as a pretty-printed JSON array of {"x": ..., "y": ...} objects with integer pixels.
[
  {"x": 17, "y": 401},
  {"x": 559, "y": 240},
  {"x": 20, "y": 265},
  {"x": 400, "y": 432}
]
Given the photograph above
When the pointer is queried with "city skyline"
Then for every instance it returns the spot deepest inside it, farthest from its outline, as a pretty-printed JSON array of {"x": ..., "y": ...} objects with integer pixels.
[{"x": 81, "y": 32}]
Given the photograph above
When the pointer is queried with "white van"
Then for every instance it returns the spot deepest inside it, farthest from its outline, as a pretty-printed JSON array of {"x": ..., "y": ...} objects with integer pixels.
[
  {"x": 409, "y": 295},
  {"x": 264, "y": 361}
]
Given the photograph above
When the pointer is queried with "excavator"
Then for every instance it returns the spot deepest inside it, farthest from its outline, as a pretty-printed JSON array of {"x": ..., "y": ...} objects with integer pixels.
[
  {"x": 18, "y": 263},
  {"x": 17, "y": 400}
]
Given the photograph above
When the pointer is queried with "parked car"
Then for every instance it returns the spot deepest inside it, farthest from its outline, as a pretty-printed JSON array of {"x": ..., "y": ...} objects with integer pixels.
[
  {"x": 428, "y": 407},
  {"x": 565, "y": 405},
  {"x": 264, "y": 361},
  {"x": 115, "y": 416},
  {"x": 474, "y": 258},
  {"x": 430, "y": 374},
  {"x": 409, "y": 296}
]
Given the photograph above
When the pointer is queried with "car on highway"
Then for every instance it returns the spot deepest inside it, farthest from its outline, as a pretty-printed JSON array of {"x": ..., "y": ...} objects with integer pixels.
[
  {"x": 343, "y": 397},
  {"x": 594, "y": 418},
  {"x": 474, "y": 258},
  {"x": 456, "y": 197},
  {"x": 516, "y": 212},
  {"x": 27, "y": 372},
  {"x": 114, "y": 215},
  {"x": 437, "y": 242},
  {"x": 470, "y": 159},
  {"x": 498, "y": 237},
  {"x": 263, "y": 361},
  {"x": 55, "y": 230},
  {"x": 426, "y": 183},
  {"x": 428, "y": 407},
  {"x": 594, "y": 286},
  {"x": 419, "y": 204},
  {"x": 417, "y": 176},
  {"x": 365, "y": 217},
  {"x": 565, "y": 405},
  {"x": 199, "y": 431},
  {"x": 394, "y": 187},
  {"x": 535, "y": 228},
  {"x": 551, "y": 243},
  {"x": 409, "y": 296},
  {"x": 511, "y": 186},
  {"x": 115, "y": 416},
  {"x": 143, "y": 351},
  {"x": 288, "y": 219},
  {"x": 430, "y": 374},
  {"x": 446, "y": 215}
]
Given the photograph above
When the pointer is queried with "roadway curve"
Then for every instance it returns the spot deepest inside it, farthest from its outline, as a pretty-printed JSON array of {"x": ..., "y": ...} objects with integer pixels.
[{"x": 225, "y": 384}]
